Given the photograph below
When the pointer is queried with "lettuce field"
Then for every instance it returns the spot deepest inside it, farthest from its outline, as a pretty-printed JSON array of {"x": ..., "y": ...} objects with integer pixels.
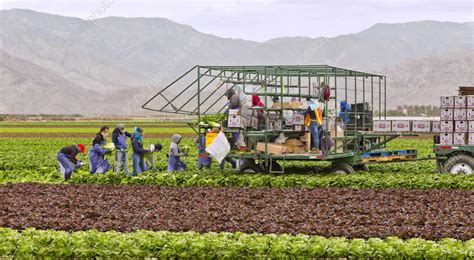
[{"x": 398, "y": 211}]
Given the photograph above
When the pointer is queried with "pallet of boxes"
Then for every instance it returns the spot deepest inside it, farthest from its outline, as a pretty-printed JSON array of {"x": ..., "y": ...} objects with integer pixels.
[
  {"x": 293, "y": 125},
  {"x": 457, "y": 120}
]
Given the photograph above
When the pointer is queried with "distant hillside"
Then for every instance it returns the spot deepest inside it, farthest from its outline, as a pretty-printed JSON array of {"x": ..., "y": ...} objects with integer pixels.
[
  {"x": 423, "y": 81},
  {"x": 120, "y": 62}
]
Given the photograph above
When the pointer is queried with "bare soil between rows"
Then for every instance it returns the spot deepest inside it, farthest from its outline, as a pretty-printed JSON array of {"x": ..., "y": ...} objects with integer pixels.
[
  {"x": 84, "y": 135},
  {"x": 429, "y": 214}
]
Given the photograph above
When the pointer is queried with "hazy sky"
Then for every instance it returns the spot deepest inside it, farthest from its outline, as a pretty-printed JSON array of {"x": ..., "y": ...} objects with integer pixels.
[{"x": 263, "y": 19}]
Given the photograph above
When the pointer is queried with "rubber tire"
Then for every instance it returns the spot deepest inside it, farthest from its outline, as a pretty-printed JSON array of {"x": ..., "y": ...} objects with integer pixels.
[
  {"x": 361, "y": 167},
  {"x": 342, "y": 168},
  {"x": 458, "y": 159},
  {"x": 250, "y": 167}
]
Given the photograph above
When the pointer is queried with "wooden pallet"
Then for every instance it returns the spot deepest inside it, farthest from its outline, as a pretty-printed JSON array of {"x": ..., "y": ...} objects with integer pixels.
[{"x": 466, "y": 91}]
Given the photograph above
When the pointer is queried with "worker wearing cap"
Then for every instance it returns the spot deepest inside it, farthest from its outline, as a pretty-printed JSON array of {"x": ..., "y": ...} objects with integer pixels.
[
  {"x": 138, "y": 156},
  {"x": 119, "y": 138},
  {"x": 314, "y": 119},
  {"x": 150, "y": 158},
  {"x": 67, "y": 158}
]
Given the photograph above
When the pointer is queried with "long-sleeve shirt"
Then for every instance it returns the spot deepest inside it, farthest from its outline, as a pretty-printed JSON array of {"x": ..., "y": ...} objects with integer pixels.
[
  {"x": 138, "y": 146},
  {"x": 99, "y": 139},
  {"x": 72, "y": 152}
]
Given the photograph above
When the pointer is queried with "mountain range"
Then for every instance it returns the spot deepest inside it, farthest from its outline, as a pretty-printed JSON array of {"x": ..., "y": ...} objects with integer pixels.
[{"x": 110, "y": 66}]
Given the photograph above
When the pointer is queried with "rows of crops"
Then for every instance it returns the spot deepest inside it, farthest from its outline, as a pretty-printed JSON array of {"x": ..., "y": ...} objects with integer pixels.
[{"x": 33, "y": 160}]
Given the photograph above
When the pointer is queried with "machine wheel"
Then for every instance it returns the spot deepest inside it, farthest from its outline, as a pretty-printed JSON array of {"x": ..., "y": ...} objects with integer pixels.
[
  {"x": 250, "y": 167},
  {"x": 459, "y": 164},
  {"x": 361, "y": 167},
  {"x": 342, "y": 168}
]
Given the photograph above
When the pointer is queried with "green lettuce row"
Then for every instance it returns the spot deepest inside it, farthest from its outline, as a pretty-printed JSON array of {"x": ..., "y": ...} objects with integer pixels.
[
  {"x": 229, "y": 179},
  {"x": 165, "y": 244}
]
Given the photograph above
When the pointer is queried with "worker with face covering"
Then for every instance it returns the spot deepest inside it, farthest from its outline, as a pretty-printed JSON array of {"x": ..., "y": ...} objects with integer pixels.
[
  {"x": 119, "y": 138},
  {"x": 174, "y": 156},
  {"x": 234, "y": 103}
]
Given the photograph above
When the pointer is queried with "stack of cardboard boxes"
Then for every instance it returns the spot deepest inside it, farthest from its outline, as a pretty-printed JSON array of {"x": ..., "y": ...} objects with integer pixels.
[{"x": 457, "y": 120}]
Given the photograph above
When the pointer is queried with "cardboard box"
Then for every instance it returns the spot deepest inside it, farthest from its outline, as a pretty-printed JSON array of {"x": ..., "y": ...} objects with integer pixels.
[
  {"x": 252, "y": 121},
  {"x": 286, "y": 105},
  {"x": 470, "y": 101},
  {"x": 470, "y": 139},
  {"x": 308, "y": 141},
  {"x": 447, "y": 127},
  {"x": 447, "y": 114},
  {"x": 401, "y": 126},
  {"x": 298, "y": 149},
  {"x": 470, "y": 127},
  {"x": 460, "y": 102},
  {"x": 299, "y": 128},
  {"x": 470, "y": 114},
  {"x": 234, "y": 112},
  {"x": 337, "y": 131},
  {"x": 435, "y": 126},
  {"x": 298, "y": 119},
  {"x": 446, "y": 138},
  {"x": 460, "y": 114},
  {"x": 447, "y": 102},
  {"x": 294, "y": 142},
  {"x": 236, "y": 121},
  {"x": 421, "y": 126},
  {"x": 296, "y": 104},
  {"x": 460, "y": 139},
  {"x": 461, "y": 126},
  {"x": 383, "y": 126},
  {"x": 275, "y": 125},
  {"x": 272, "y": 148}
]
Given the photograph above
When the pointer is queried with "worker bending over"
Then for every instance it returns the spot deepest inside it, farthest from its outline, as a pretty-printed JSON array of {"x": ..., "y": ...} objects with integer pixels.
[{"x": 67, "y": 158}]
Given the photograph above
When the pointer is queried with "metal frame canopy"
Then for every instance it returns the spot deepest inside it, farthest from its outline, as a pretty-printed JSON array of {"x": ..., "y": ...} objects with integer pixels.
[{"x": 201, "y": 89}]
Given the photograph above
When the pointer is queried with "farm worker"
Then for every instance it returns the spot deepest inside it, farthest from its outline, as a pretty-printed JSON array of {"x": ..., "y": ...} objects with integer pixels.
[
  {"x": 138, "y": 156},
  {"x": 204, "y": 159},
  {"x": 149, "y": 157},
  {"x": 174, "y": 156},
  {"x": 234, "y": 103},
  {"x": 314, "y": 119},
  {"x": 119, "y": 136},
  {"x": 98, "y": 162},
  {"x": 256, "y": 102},
  {"x": 68, "y": 161}
]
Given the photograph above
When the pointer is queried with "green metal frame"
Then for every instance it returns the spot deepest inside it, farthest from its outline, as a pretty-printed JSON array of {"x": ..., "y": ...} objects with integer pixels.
[{"x": 284, "y": 81}]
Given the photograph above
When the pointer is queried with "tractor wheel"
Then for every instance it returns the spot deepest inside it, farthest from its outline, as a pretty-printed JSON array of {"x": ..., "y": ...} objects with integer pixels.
[
  {"x": 361, "y": 167},
  {"x": 459, "y": 164},
  {"x": 342, "y": 168},
  {"x": 250, "y": 167}
]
